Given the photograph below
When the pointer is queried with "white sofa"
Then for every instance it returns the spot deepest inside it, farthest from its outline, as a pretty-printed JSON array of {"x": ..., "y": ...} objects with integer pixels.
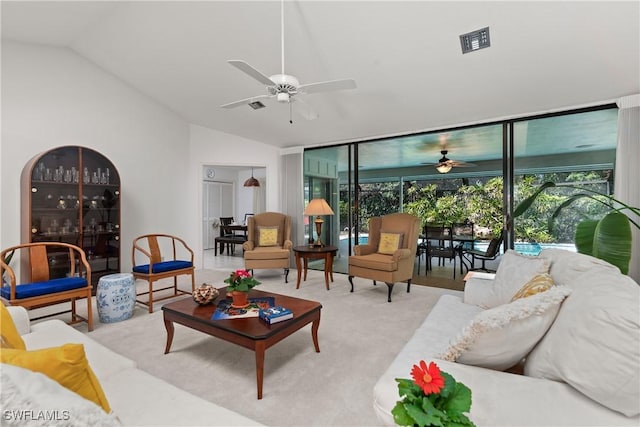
[
  {"x": 584, "y": 371},
  {"x": 136, "y": 397}
]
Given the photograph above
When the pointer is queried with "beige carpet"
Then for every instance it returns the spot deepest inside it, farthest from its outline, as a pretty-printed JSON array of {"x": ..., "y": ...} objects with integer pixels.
[{"x": 360, "y": 334}]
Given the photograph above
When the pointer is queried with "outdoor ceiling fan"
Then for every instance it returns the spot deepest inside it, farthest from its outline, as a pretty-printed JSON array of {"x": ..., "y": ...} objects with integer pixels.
[
  {"x": 284, "y": 87},
  {"x": 445, "y": 164}
]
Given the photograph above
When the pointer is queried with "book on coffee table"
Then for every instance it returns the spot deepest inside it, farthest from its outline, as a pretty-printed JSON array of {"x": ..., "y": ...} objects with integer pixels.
[
  {"x": 225, "y": 311},
  {"x": 277, "y": 314}
]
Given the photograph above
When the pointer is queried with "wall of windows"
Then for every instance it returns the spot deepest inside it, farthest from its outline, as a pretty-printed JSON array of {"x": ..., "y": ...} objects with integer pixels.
[{"x": 494, "y": 166}]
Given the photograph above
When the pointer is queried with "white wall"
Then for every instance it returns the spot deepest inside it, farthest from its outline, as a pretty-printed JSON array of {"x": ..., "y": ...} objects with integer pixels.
[
  {"x": 53, "y": 97},
  {"x": 212, "y": 147}
]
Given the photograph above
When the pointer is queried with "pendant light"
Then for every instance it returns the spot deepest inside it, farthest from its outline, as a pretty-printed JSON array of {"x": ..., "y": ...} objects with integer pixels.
[{"x": 252, "y": 182}]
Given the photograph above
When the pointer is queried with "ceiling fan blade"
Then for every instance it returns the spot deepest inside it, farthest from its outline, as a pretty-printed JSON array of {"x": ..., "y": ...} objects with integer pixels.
[
  {"x": 245, "y": 101},
  {"x": 461, "y": 164},
  {"x": 249, "y": 70},
  {"x": 328, "y": 86},
  {"x": 304, "y": 109}
]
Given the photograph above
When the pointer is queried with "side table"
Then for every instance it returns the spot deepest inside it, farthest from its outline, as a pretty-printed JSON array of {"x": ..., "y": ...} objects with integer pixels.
[
  {"x": 116, "y": 297},
  {"x": 308, "y": 252}
]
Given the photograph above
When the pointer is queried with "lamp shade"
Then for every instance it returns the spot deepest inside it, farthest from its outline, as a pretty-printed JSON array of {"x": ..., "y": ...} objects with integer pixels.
[
  {"x": 252, "y": 182},
  {"x": 318, "y": 207}
]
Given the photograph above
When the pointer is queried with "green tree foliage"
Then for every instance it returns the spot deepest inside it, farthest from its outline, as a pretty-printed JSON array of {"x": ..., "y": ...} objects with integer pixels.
[{"x": 481, "y": 202}]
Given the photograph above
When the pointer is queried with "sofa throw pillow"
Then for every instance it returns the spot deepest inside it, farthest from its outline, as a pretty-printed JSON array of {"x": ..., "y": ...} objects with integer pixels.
[
  {"x": 498, "y": 338},
  {"x": 23, "y": 389},
  {"x": 68, "y": 365},
  {"x": 10, "y": 336},
  {"x": 594, "y": 343},
  {"x": 267, "y": 236},
  {"x": 389, "y": 243},
  {"x": 539, "y": 283},
  {"x": 513, "y": 272}
]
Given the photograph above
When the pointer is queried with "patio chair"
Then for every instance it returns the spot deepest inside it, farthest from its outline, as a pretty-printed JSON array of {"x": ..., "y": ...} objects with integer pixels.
[
  {"x": 492, "y": 252},
  {"x": 440, "y": 245}
]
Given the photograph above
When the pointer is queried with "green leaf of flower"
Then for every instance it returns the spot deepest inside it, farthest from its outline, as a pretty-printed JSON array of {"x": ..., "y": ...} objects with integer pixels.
[
  {"x": 427, "y": 415},
  {"x": 459, "y": 401},
  {"x": 400, "y": 416}
]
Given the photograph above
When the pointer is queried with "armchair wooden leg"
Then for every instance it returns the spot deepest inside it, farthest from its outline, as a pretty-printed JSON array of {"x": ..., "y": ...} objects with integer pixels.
[
  {"x": 390, "y": 286},
  {"x": 408, "y": 285},
  {"x": 286, "y": 275},
  {"x": 351, "y": 281}
]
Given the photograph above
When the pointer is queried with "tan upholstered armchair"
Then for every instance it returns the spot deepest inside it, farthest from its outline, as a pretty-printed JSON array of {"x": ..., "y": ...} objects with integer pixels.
[
  {"x": 268, "y": 242},
  {"x": 390, "y": 252}
]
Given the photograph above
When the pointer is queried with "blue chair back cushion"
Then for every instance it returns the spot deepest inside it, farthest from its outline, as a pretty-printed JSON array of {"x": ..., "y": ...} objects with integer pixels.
[
  {"x": 52, "y": 286},
  {"x": 162, "y": 267}
]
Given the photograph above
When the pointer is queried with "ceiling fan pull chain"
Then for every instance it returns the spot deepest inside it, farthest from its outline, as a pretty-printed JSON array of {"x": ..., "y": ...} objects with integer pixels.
[{"x": 290, "y": 117}]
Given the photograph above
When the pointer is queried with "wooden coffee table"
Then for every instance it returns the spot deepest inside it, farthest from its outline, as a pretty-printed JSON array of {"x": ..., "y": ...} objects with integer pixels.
[{"x": 251, "y": 333}]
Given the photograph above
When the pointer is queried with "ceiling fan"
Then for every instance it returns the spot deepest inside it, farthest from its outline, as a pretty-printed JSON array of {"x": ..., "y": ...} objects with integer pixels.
[
  {"x": 284, "y": 87},
  {"x": 445, "y": 164}
]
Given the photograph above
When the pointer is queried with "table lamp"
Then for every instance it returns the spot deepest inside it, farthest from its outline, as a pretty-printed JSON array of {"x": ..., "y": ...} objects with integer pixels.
[{"x": 318, "y": 207}]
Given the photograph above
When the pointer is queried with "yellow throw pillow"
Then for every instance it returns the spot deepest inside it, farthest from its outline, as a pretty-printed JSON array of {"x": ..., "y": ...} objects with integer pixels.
[
  {"x": 389, "y": 243},
  {"x": 267, "y": 236},
  {"x": 10, "y": 336},
  {"x": 539, "y": 283},
  {"x": 68, "y": 365}
]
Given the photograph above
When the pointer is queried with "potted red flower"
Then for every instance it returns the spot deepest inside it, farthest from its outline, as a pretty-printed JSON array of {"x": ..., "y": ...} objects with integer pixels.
[
  {"x": 240, "y": 283},
  {"x": 432, "y": 398}
]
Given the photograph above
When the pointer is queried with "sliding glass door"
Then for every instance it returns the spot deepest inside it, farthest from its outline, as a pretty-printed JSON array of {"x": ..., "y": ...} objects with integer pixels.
[{"x": 472, "y": 174}]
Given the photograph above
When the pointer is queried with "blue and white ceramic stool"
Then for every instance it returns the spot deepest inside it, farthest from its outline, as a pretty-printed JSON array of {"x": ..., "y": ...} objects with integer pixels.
[{"x": 116, "y": 297}]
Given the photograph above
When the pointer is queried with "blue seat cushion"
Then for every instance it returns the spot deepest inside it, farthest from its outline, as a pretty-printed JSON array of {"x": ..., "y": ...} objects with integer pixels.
[
  {"x": 52, "y": 286},
  {"x": 163, "y": 267}
]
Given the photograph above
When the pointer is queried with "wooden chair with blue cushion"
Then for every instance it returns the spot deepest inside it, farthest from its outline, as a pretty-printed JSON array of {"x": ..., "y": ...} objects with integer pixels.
[
  {"x": 154, "y": 267},
  {"x": 53, "y": 273}
]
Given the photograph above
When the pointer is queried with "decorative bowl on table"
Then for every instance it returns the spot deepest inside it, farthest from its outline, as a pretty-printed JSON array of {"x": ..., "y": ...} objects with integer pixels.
[{"x": 205, "y": 294}]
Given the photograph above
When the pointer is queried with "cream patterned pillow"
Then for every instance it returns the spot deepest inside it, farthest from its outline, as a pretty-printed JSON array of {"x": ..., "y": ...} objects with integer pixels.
[
  {"x": 540, "y": 283},
  {"x": 267, "y": 236},
  {"x": 389, "y": 243},
  {"x": 514, "y": 271},
  {"x": 498, "y": 338}
]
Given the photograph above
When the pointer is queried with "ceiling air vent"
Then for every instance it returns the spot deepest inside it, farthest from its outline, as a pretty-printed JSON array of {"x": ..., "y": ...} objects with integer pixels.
[
  {"x": 475, "y": 40},
  {"x": 256, "y": 105}
]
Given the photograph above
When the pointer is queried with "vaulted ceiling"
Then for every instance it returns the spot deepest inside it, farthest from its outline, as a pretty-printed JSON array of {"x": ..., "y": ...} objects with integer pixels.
[{"x": 405, "y": 57}]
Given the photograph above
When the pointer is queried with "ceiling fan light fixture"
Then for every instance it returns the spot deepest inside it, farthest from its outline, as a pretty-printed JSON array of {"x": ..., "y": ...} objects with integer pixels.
[
  {"x": 444, "y": 168},
  {"x": 283, "y": 97},
  {"x": 251, "y": 182}
]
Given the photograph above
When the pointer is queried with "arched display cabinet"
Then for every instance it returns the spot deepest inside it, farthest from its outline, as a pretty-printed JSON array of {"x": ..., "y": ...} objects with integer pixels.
[{"x": 72, "y": 194}]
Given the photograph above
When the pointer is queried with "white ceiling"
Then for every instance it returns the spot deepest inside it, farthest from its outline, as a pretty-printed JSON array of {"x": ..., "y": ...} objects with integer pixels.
[{"x": 404, "y": 55}]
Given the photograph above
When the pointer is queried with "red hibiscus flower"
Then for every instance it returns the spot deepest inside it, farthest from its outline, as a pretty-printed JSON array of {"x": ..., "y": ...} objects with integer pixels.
[{"x": 428, "y": 378}]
